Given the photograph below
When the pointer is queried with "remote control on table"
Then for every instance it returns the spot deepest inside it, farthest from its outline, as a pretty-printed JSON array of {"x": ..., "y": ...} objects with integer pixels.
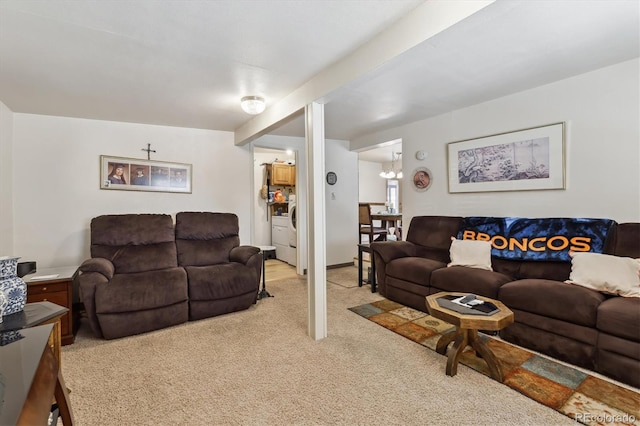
[{"x": 468, "y": 298}]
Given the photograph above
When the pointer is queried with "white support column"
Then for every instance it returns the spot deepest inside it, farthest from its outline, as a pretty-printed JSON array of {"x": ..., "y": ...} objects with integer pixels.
[{"x": 316, "y": 224}]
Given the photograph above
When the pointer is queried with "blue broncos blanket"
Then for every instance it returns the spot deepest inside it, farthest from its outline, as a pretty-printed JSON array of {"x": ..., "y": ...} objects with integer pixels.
[{"x": 538, "y": 239}]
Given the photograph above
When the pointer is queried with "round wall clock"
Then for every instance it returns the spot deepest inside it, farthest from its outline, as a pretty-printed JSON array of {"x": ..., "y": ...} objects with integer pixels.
[
  {"x": 332, "y": 178},
  {"x": 421, "y": 155}
]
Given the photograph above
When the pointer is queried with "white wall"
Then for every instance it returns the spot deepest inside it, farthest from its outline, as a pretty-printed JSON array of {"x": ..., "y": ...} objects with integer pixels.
[
  {"x": 6, "y": 181},
  {"x": 602, "y": 112},
  {"x": 341, "y": 205},
  {"x": 56, "y": 180},
  {"x": 371, "y": 187}
]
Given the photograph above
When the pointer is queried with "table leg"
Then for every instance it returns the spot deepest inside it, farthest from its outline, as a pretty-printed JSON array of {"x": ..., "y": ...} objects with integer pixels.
[
  {"x": 443, "y": 342},
  {"x": 462, "y": 338},
  {"x": 264, "y": 293},
  {"x": 373, "y": 274},
  {"x": 359, "y": 266},
  {"x": 264, "y": 264},
  {"x": 62, "y": 399},
  {"x": 454, "y": 353},
  {"x": 55, "y": 339},
  {"x": 481, "y": 348}
]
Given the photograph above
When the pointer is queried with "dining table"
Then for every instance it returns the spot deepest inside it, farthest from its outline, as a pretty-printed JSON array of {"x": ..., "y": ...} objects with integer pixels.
[{"x": 389, "y": 220}]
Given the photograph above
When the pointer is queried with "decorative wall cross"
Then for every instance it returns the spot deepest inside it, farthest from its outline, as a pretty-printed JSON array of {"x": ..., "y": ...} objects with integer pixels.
[{"x": 149, "y": 151}]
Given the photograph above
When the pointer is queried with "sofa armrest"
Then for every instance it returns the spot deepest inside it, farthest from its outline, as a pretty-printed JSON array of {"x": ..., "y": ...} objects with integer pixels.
[
  {"x": 99, "y": 265},
  {"x": 93, "y": 272},
  {"x": 242, "y": 254},
  {"x": 389, "y": 250}
]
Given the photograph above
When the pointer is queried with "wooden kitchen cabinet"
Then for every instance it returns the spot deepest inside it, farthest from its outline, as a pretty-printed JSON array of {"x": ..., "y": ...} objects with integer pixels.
[
  {"x": 283, "y": 174},
  {"x": 55, "y": 285}
]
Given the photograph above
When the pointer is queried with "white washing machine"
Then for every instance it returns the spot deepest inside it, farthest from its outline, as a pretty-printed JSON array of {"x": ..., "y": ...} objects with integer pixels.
[{"x": 293, "y": 233}]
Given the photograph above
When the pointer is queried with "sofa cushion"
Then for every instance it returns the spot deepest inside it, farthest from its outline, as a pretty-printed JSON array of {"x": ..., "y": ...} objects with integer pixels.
[
  {"x": 204, "y": 238},
  {"x": 141, "y": 291},
  {"x": 221, "y": 281},
  {"x": 553, "y": 299},
  {"x": 206, "y": 225},
  {"x": 469, "y": 280},
  {"x": 606, "y": 273},
  {"x": 132, "y": 259},
  {"x": 620, "y": 316},
  {"x": 543, "y": 270},
  {"x": 134, "y": 242},
  {"x": 470, "y": 253},
  {"x": 414, "y": 269},
  {"x": 131, "y": 229},
  {"x": 202, "y": 253},
  {"x": 627, "y": 240},
  {"x": 434, "y": 232}
]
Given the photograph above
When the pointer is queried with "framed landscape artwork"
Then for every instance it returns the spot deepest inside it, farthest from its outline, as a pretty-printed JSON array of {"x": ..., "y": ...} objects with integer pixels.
[
  {"x": 528, "y": 159},
  {"x": 133, "y": 174}
]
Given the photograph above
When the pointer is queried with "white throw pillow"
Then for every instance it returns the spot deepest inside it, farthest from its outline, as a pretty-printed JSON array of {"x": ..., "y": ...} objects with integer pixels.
[
  {"x": 470, "y": 253},
  {"x": 606, "y": 273}
]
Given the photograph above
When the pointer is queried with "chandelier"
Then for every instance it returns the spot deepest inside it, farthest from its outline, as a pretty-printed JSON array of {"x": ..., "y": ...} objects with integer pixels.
[{"x": 393, "y": 171}]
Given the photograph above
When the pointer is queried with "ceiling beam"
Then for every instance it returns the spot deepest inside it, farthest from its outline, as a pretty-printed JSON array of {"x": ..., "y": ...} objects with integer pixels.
[{"x": 422, "y": 23}]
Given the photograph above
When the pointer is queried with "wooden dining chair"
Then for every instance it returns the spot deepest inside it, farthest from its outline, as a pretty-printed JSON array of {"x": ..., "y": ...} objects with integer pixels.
[{"x": 365, "y": 224}]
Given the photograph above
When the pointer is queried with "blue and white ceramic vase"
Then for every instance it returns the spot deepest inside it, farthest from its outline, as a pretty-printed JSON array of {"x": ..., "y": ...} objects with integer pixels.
[
  {"x": 4, "y": 302},
  {"x": 11, "y": 285}
]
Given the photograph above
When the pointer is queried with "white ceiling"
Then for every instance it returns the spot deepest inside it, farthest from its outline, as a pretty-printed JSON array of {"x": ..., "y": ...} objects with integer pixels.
[{"x": 187, "y": 63}]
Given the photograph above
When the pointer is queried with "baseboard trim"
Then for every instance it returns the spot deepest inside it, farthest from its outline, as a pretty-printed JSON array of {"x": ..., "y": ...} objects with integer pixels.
[{"x": 339, "y": 265}]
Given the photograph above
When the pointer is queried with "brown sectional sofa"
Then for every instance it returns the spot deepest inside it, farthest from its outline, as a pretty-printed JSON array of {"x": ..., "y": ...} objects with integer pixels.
[
  {"x": 572, "y": 323},
  {"x": 146, "y": 274}
]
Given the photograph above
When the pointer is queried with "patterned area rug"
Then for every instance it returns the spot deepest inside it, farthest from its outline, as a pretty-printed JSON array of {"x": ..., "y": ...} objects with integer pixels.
[{"x": 580, "y": 396}]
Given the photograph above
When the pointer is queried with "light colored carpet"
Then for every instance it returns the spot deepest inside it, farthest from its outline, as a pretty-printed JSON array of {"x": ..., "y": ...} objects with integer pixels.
[
  {"x": 259, "y": 367},
  {"x": 346, "y": 276}
]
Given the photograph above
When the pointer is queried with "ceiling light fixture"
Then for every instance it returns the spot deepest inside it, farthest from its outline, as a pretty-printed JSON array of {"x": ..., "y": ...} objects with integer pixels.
[
  {"x": 391, "y": 172},
  {"x": 252, "y": 104}
]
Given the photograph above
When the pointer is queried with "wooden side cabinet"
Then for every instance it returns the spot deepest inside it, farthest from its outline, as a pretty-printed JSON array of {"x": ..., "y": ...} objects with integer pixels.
[
  {"x": 55, "y": 285},
  {"x": 283, "y": 174}
]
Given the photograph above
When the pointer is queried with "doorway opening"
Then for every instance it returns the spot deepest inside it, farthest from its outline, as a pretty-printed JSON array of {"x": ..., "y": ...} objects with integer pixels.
[{"x": 275, "y": 202}]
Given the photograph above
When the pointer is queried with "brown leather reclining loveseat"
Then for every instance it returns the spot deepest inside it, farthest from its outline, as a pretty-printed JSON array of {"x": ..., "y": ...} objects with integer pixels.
[
  {"x": 572, "y": 323},
  {"x": 145, "y": 274}
]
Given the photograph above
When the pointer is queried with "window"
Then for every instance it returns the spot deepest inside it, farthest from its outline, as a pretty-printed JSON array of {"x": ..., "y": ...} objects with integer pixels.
[{"x": 393, "y": 194}]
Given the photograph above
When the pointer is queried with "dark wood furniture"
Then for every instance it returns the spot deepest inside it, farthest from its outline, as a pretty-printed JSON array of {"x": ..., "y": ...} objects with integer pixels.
[
  {"x": 389, "y": 220},
  {"x": 365, "y": 248},
  {"x": 365, "y": 225},
  {"x": 55, "y": 285},
  {"x": 35, "y": 314},
  {"x": 466, "y": 332},
  {"x": 32, "y": 378}
]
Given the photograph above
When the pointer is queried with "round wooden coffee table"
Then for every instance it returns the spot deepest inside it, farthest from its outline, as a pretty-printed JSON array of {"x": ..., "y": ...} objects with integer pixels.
[{"x": 466, "y": 332}]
